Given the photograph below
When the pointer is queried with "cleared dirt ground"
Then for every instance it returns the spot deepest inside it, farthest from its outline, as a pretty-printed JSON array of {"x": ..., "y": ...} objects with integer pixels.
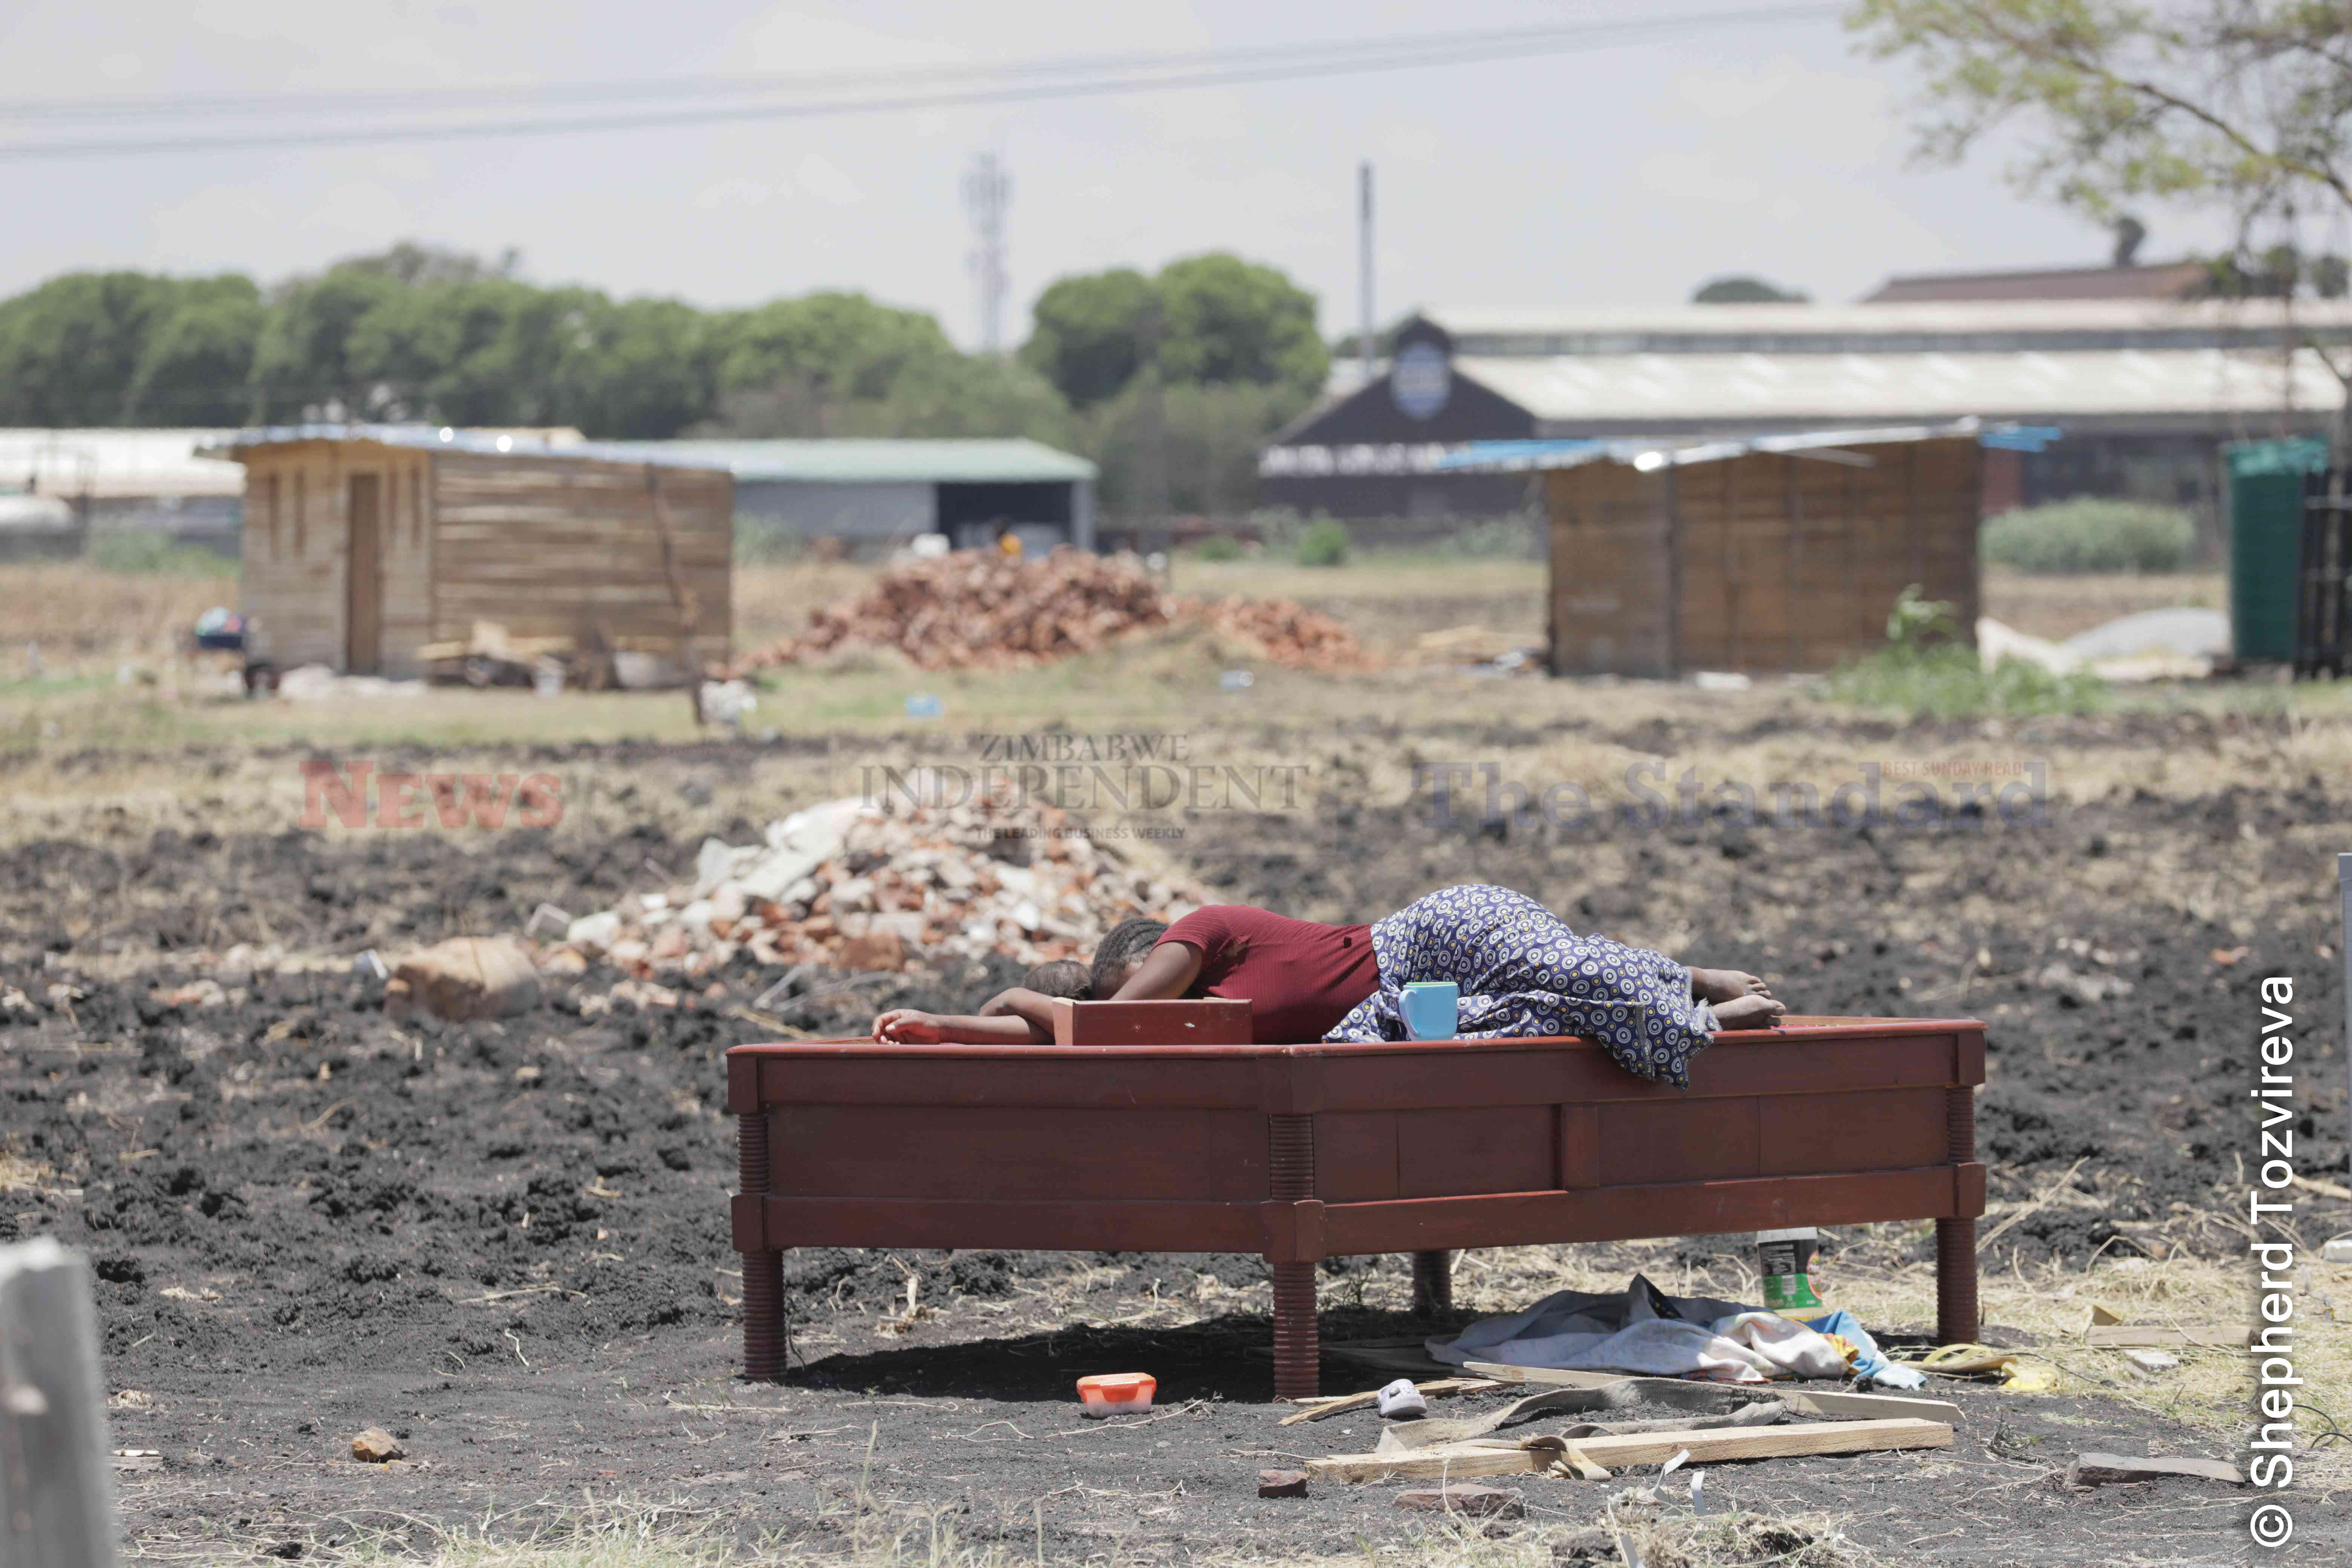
[{"x": 506, "y": 1242}]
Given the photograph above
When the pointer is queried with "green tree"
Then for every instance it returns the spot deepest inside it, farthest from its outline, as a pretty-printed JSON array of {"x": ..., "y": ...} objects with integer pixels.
[
  {"x": 303, "y": 365},
  {"x": 1217, "y": 319},
  {"x": 2246, "y": 104},
  {"x": 70, "y": 348},
  {"x": 194, "y": 365},
  {"x": 1227, "y": 320},
  {"x": 838, "y": 345},
  {"x": 1090, "y": 332},
  {"x": 633, "y": 369},
  {"x": 1211, "y": 435},
  {"x": 1743, "y": 289}
]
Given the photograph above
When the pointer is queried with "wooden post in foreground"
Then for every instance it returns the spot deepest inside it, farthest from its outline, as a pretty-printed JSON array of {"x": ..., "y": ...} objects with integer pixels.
[{"x": 56, "y": 1490}]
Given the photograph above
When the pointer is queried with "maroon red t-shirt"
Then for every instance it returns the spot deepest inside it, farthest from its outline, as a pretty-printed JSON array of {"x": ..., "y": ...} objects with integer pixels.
[{"x": 1299, "y": 977}]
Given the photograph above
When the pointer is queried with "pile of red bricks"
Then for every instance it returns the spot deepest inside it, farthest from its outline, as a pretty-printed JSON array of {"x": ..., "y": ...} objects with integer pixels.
[{"x": 976, "y": 609}]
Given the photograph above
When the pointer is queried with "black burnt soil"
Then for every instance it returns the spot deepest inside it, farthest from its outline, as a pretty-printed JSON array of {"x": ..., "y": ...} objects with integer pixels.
[{"x": 508, "y": 1243}]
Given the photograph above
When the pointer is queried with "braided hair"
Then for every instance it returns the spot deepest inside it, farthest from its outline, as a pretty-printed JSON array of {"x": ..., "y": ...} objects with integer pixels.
[
  {"x": 1063, "y": 977},
  {"x": 1122, "y": 945}
]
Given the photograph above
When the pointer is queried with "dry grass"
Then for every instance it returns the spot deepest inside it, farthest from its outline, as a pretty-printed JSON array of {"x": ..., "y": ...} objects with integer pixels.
[
  {"x": 80, "y": 614},
  {"x": 867, "y": 1532}
]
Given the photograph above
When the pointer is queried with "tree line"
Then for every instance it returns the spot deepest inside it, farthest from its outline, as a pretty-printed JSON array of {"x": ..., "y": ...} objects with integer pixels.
[{"x": 1183, "y": 371}]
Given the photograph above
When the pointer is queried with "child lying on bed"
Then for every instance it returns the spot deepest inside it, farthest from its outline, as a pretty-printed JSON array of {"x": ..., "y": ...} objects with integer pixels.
[{"x": 1520, "y": 971}]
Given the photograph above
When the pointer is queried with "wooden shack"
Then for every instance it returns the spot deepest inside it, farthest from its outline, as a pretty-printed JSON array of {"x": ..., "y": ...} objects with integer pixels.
[
  {"x": 1738, "y": 556},
  {"x": 387, "y": 549}
]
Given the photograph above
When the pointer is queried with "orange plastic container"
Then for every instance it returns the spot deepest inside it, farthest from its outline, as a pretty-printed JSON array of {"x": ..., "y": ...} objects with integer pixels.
[{"x": 1116, "y": 1392}]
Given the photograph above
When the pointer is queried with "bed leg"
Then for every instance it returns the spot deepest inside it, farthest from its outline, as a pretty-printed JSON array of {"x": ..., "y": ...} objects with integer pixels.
[
  {"x": 1298, "y": 1356},
  {"x": 1433, "y": 1283},
  {"x": 1955, "y": 1281},
  {"x": 1956, "y": 1318},
  {"x": 765, "y": 1341},
  {"x": 766, "y": 1344}
]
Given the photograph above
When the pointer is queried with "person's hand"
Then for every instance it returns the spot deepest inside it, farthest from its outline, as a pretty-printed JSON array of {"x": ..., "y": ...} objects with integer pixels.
[{"x": 907, "y": 1026}]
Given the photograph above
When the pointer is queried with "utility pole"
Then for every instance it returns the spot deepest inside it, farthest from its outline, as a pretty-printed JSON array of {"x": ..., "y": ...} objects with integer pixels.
[
  {"x": 1364, "y": 267},
  {"x": 987, "y": 192},
  {"x": 1151, "y": 414}
]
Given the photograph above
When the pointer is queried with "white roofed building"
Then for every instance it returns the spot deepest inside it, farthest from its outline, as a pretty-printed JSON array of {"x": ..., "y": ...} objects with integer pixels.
[{"x": 2137, "y": 392}]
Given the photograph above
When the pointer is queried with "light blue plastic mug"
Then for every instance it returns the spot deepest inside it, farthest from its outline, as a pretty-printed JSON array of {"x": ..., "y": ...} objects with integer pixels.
[{"x": 1433, "y": 1009}]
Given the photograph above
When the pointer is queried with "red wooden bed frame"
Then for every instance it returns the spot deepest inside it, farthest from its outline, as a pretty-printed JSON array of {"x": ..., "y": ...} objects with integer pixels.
[{"x": 1156, "y": 1127}]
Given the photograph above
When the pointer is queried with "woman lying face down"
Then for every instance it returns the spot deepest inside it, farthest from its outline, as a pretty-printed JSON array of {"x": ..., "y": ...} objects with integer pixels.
[{"x": 1519, "y": 970}]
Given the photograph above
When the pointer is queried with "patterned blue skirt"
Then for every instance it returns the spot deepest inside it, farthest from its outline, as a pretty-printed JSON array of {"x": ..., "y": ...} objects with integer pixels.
[{"x": 1523, "y": 972}]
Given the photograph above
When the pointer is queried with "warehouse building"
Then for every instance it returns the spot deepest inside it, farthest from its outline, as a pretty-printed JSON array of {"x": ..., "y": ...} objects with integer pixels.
[
  {"x": 2140, "y": 391},
  {"x": 873, "y": 494},
  {"x": 128, "y": 481}
]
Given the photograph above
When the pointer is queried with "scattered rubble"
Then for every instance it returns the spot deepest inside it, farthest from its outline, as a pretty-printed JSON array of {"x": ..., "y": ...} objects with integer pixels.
[
  {"x": 377, "y": 1447},
  {"x": 973, "y": 610},
  {"x": 878, "y": 888},
  {"x": 465, "y": 978},
  {"x": 1289, "y": 634},
  {"x": 1282, "y": 1483}
]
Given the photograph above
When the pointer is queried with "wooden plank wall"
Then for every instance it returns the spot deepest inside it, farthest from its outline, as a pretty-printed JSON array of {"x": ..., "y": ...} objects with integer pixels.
[
  {"x": 297, "y": 550},
  {"x": 571, "y": 547},
  {"x": 1612, "y": 575},
  {"x": 1779, "y": 563}
]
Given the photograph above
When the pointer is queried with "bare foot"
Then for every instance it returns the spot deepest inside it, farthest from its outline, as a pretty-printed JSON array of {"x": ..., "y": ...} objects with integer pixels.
[
  {"x": 1748, "y": 1013},
  {"x": 1725, "y": 985}
]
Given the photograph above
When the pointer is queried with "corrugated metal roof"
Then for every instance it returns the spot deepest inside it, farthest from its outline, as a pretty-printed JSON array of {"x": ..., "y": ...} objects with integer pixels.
[
  {"x": 1011, "y": 461},
  {"x": 1634, "y": 389},
  {"x": 2155, "y": 281},
  {"x": 115, "y": 463},
  {"x": 451, "y": 438},
  {"x": 1651, "y": 452},
  {"x": 1939, "y": 316}
]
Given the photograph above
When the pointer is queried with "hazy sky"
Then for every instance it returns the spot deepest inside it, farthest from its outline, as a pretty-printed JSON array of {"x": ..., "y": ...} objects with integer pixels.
[{"x": 1622, "y": 175}]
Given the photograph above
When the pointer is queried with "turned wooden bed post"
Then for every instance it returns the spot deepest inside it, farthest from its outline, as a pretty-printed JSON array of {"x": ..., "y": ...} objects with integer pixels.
[
  {"x": 763, "y": 1271},
  {"x": 1957, "y": 1320},
  {"x": 1292, "y": 1254}
]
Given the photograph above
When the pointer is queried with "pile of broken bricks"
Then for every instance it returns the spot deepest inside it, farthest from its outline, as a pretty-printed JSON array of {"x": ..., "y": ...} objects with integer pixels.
[
  {"x": 877, "y": 886},
  {"x": 977, "y": 610}
]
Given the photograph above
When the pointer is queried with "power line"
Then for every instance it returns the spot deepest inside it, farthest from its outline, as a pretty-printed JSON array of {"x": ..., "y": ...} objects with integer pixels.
[{"x": 1021, "y": 82}]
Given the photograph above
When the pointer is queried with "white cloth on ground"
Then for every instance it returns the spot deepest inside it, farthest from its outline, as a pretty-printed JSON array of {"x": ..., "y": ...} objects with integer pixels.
[{"x": 1643, "y": 1330}]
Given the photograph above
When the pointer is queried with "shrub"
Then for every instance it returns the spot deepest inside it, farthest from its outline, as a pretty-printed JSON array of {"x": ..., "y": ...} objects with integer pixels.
[
  {"x": 2090, "y": 535},
  {"x": 1511, "y": 538},
  {"x": 1924, "y": 671},
  {"x": 1325, "y": 543},
  {"x": 149, "y": 553},
  {"x": 1279, "y": 529},
  {"x": 1218, "y": 547}
]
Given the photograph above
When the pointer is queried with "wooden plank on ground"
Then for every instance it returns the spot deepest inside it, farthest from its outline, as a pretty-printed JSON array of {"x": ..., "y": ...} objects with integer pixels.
[
  {"x": 1819, "y": 1402},
  {"x": 2139, "y": 1336},
  {"x": 2099, "y": 1470},
  {"x": 1705, "y": 1447},
  {"x": 1436, "y": 1388}
]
